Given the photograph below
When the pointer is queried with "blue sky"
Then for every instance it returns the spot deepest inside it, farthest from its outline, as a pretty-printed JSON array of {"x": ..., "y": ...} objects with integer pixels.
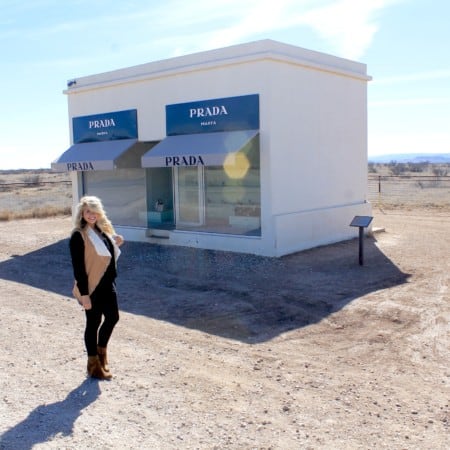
[{"x": 44, "y": 43}]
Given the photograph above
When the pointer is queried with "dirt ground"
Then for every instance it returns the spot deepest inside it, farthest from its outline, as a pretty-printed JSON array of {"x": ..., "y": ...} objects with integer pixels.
[{"x": 226, "y": 351}]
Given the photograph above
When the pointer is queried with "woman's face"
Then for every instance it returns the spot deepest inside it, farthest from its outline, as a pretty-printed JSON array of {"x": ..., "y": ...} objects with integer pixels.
[{"x": 90, "y": 217}]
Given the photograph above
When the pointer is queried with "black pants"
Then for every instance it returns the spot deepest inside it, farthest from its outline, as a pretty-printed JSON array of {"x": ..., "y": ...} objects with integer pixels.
[{"x": 104, "y": 304}]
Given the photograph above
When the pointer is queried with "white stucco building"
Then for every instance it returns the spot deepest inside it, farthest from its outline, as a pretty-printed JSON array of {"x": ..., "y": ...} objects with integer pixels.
[{"x": 258, "y": 148}]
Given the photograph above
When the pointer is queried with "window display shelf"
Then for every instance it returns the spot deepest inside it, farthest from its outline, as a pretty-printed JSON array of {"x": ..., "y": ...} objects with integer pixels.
[
  {"x": 160, "y": 216},
  {"x": 245, "y": 221}
]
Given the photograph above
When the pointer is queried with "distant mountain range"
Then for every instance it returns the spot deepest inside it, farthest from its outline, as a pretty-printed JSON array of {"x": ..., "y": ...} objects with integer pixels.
[{"x": 412, "y": 158}]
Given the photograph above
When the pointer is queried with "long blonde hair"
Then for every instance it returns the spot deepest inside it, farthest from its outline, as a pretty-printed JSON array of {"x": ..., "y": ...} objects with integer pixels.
[{"x": 95, "y": 205}]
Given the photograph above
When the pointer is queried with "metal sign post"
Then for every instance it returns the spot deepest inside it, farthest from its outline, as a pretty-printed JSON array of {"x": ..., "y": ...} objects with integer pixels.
[{"x": 361, "y": 222}]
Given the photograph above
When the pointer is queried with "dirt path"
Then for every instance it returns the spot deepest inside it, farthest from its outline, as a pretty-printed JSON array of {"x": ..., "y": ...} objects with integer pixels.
[{"x": 226, "y": 351}]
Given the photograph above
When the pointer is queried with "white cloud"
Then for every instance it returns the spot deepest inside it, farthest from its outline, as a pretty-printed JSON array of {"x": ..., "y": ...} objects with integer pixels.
[
  {"x": 412, "y": 77},
  {"x": 263, "y": 16},
  {"x": 409, "y": 142},
  {"x": 347, "y": 26}
]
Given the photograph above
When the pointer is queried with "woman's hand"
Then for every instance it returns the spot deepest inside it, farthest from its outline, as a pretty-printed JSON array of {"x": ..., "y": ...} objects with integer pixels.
[
  {"x": 86, "y": 302},
  {"x": 118, "y": 239}
]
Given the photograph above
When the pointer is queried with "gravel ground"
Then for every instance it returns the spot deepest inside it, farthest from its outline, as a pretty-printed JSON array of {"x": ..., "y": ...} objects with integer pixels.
[{"x": 216, "y": 350}]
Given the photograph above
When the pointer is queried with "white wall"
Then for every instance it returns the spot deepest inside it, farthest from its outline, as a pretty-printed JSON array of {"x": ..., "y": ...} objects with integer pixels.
[{"x": 318, "y": 156}]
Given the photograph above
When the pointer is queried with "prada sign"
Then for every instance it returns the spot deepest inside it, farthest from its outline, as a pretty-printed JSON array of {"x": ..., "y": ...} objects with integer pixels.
[
  {"x": 105, "y": 127},
  {"x": 207, "y": 116}
]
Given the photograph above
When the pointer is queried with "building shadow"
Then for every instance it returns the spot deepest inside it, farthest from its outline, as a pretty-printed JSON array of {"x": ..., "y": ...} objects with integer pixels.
[
  {"x": 238, "y": 296},
  {"x": 49, "y": 420}
]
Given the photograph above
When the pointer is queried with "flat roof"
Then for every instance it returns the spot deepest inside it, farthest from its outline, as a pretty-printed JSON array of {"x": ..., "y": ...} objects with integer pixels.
[{"x": 266, "y": 49}]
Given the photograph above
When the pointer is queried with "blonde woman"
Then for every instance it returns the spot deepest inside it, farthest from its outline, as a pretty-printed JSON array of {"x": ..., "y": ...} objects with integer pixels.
[{"x": 94, "y": 249}]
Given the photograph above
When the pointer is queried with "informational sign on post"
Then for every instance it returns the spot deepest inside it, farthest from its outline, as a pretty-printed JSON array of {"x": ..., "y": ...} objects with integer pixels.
[{"x": 361, "y": 222}]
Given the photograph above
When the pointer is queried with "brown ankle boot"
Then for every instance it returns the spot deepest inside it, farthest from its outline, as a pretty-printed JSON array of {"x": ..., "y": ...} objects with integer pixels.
[
  {"x": 103, "y": 357},
  {"x": 95, "y": 369}
]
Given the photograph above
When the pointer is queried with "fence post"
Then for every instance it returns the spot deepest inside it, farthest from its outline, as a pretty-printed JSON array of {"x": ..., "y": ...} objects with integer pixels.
[{"x": 379, "y": 191}]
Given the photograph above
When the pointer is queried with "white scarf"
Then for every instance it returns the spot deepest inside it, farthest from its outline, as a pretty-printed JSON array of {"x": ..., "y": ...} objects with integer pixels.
[{"x": 100, "y": 246}]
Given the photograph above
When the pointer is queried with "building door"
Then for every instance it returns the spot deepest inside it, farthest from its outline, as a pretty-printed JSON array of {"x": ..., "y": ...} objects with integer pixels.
[{"x": 189, "y": 198}]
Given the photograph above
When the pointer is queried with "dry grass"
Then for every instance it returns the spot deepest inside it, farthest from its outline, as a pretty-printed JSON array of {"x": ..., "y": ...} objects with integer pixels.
[
  {"x": 36, "y": 213},
  {"x": 28, "y": 194}
]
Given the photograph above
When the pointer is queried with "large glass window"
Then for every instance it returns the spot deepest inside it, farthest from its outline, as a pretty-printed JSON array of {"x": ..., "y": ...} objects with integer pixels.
[
  {"x": 189, "y": 196},
  {"x": 160, "y": 197},
  {"x": 222, "y": 199},
  {"x": 232, "y": 205},
  {"x": 123, "y": 194},
  {"x": 216, "y": 199}
]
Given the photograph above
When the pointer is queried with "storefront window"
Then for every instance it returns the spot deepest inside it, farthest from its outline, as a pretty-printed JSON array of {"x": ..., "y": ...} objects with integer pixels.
[
  {"x": 189, "y": 196},
  {"x": 160, "y": 198},
  {"x": 122, "y": 192},
  {"x": 232, "y": 205},
  {"x": 222, "y": 199},
  {"x": 213, "y": 199}
]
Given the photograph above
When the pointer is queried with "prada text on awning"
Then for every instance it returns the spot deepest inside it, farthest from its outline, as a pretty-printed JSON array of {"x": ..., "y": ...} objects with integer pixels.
[
  {"x": 205, "y": 149},
  {"x": 102, "y": 155}
]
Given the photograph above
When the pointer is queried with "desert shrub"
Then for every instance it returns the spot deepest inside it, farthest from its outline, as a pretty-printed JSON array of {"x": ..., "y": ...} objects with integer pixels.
[
  {"x": 418, "y": 167},
  {"x": 32, "y": 180},
  {"x": 397, "y": 168},
  {"x": 440, "y": 171},
  {"x": 5, "y": 216}
]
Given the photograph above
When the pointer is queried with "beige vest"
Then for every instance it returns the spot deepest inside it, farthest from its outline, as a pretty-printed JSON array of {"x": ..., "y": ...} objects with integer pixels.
[{"x": 96, "y": 258}]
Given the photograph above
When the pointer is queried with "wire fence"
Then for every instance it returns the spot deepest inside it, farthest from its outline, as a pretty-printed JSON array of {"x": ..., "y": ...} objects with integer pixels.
[
  {"x": 41, "y": 198},
  {"x": 409, "y": 190}
]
